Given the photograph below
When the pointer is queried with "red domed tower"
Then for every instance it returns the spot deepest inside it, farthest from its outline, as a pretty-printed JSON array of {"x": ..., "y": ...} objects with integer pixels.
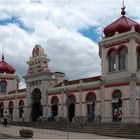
[
  {"x": 6, "y": 68},
  {"x": 121, "y": 25},
  {"x": 9, "y": 81},
  {"x": 120, "y": 65}
]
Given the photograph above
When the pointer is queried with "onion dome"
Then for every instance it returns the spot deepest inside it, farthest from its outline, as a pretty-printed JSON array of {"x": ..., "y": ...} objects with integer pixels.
[
  {"x": 4, "y": 67},
  {"x": 121, "y": 25}
]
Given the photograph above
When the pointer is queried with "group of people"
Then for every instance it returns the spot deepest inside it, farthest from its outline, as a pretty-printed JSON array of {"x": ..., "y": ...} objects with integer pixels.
[{"x": 117, "y": 114}]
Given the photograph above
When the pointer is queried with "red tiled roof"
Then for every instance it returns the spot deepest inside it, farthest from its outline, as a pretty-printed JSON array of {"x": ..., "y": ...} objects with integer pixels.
[
  {"x": 84, "y": 80},
  {"x": 4, "y": 67},
  {"x": 121, "y": 25}
]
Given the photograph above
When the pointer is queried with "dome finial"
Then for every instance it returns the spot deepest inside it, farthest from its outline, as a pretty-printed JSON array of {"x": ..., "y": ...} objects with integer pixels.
[
  {"x": 2, "y": 53},
  {"x": 123, "y": 8}
]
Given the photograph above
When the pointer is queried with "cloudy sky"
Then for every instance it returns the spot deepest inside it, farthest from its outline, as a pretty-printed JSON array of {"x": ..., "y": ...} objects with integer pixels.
[{"x": 68, "y": 30}]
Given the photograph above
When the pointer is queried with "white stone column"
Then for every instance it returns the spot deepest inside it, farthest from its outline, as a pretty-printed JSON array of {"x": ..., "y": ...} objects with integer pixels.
[
  {"x": 132, "y": 58},
  {"x": 104, "y": 61},
  {"x": 132, "y": 101},
  {"x": 15, "y": 111},
  {"x": 80, "y": 102},
  {"x": 102, "y": 99},
  {"x": 27, "y": 109},
  {"x": 117, "y": 63},
  {"x": 44, "y": 99},
  {"x": 62, "y": 103}
]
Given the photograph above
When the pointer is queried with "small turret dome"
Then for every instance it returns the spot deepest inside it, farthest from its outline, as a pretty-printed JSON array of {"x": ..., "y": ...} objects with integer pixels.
[
  {"x": 4, "y": 67},
  {"x": 37, "y": 51}
]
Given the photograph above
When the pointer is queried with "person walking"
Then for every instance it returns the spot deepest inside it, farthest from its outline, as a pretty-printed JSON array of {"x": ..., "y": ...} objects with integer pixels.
[{"x": 5, "y": 120}]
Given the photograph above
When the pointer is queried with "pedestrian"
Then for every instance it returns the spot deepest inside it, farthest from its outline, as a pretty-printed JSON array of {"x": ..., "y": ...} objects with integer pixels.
[{"x": 5, "y": 120}]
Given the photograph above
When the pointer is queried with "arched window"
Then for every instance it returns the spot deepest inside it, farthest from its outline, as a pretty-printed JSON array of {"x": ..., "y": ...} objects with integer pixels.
[
  {"x": 122, "y": 58},
  {"x": 91, "y": 97},
  {"x": 72, "y": 98},
  {"x": 3, "y": 86},
  {"x": 138, "y": 58},
  {"x": 54, "y": 100},
  {"x": 11, "y": 106},
  {"x": 116, "y": 94},
  {"x": 21, "y": 106},
  {"x": 21, "y": 103},
  {"x": 112, "y": 61}
]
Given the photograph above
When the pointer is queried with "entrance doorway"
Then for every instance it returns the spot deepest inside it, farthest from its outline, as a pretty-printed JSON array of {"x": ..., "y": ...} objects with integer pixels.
[
  {"x": 54, "y": 108},
  {"x": 71, "y": 111},
  {"x": 91, "y": 111},
  {"x": 36, "y": 105},
  {"x": 1, "y": 109},
  {"x": 71, "y": 107},
  {"x": 90, "y": 99},
  {"x": 21, "y": 109},
  {"x": 11, "y": 106},
  {"x": 116, "y": 106}
]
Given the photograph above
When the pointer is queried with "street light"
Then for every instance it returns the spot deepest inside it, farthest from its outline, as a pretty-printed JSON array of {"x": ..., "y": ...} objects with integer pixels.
[{"x": 67, "y": 106}]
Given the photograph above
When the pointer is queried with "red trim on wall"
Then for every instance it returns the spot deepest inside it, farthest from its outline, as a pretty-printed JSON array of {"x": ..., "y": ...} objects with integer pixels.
[
  {"x": 21, "y": 97},
  {"x": 13, "y": 98},
  {"x": 95, "y": 102},
  {"x": 126, "y": 98},
  {"x": 116, "y": 84},
  {"x": 74, "y": 91},
  {"x": 96, "y": 88},
  {"x": 107, "y": 100},
  {"x": 55, "y": 93}
]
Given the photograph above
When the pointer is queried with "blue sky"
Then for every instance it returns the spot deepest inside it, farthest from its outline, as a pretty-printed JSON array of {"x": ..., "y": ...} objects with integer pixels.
[
  {"x": 16, "y": 21},
  {"x": 91, "y": 33},
  {"x": 68, "y": 30}
]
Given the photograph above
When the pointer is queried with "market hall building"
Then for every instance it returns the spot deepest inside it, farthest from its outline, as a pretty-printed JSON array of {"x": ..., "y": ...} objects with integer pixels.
[{"x": 112, "y": 96}]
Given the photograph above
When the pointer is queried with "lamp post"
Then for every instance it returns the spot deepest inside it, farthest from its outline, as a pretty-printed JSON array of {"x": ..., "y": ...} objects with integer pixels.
[
  {"x": 67, "y": 106},
  {"x": 66, "y": 91}
]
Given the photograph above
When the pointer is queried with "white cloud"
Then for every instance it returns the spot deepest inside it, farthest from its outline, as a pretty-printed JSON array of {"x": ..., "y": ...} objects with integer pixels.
[{"x": 56, "y": 24}]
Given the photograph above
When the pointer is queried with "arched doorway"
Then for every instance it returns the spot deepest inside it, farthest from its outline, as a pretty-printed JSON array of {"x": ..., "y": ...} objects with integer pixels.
[
  {"x": 117, "y": 105},
  {"x": 11, "y": 106},
  {"x": 36, "y": 105},
  {"x": 90, "y": 99},
  {"x": 21, "y": 107},
  {"x": 1, "y": 109},
  {"x": 71, "y": 107},
  {"x": 54, "y": 107}
]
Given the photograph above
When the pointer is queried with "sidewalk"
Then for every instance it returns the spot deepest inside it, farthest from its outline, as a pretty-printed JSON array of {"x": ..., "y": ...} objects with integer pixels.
[{"x": 48, "y": 134}]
